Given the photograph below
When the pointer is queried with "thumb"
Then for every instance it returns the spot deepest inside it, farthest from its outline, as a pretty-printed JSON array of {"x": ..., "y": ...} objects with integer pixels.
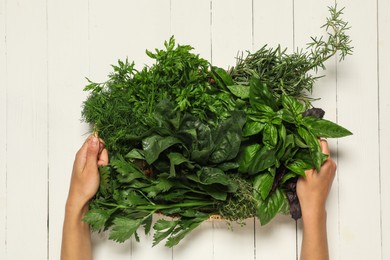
[{"x": 92, "y": 153}]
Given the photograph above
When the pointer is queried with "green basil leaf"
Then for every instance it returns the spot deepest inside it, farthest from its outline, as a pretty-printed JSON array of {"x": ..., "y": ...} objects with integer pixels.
[
  {"x": 270, "y": 136},
  {"x": 292, "y": 105},
  {"x": 262, "y": 160},
  {"x": 284, "y": 151},
  {"x": 246, "y": 156},
  {"x": 222, "y": 78},
  {"x": 299, "y": 167},
  {"x": 324, "y": 128},
  {"x": 239, "y": 91},
  {"x": 263, "y": 184},
  {"x": 252, "y": 128},
  {"x": 268, "y": 208},
  {"x": 314, "y": 147},
  {"x": 287, "y": 116},
  {"x": 282, "y": 133},
  {"x": 260, "y": 94}
]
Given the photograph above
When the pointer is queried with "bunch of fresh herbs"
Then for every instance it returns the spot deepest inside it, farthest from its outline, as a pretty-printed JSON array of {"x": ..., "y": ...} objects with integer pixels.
[{"x": 189, "y": 140}]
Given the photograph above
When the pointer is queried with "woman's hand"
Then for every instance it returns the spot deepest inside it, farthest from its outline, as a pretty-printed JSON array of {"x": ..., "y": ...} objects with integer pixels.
[
  {"x": 85, "y": 176},
  {"x": 76, "y": 238},
  {"x": 313, "y": 191}
]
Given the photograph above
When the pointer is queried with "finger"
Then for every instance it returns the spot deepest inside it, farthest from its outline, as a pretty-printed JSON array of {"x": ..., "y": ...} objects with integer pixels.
[
  {"x": 102, "y": 145},
  {"x": 92, "y": 153},
  {"x": 103, "y": 158},
  {"x": 81, "y": 155},
  {"x": 324, "y": 147}
]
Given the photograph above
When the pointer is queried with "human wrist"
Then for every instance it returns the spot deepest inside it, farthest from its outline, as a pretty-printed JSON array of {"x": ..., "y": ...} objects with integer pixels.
[
  {"x": 76, "y": 208},
  {"x": 314, "y": 214}
]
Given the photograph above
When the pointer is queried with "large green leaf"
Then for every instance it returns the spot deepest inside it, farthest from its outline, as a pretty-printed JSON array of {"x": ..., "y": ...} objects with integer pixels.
[
  {"x": 252, "y": 128},
  {"x": 268, "y": 208},
  {"x": 299, "y": 167},
  {"x": 123, "y": 228},
  {"x": 260, "y": 94},
  {"x": 177, "y": 159},
  {"x": 227, "y": 138},
  {"x": 263, "y": 184},
  {"x": 239, "y": 91},
  {"x": 163, "y": 228},
  {"x": 292, "y": 105},
  {"x": 270, "y": 136},
  {"x": 324, "y": 128},
  {"x": 96, "y": 218},
  {"x": 222, "y": 78},
  {"x": 156, "y": 144},
  {"x": 247, "y": 155},
  {"x": 314, "y": 147},
  {"x": 262, "y": 160}
]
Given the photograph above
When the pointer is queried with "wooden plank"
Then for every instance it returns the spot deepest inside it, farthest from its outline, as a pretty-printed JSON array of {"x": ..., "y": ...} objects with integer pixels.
[
  {"x": 125, "y": 29},
  {"x": 190, "y": 24},
  {"x": 27, "y": 153},
  {"x": 118, "y": 30},
  {"x": 307, "y": 24},
  {"x": 144, "y": 249},
  {"x": 273, "y": 25},
  {"x": 200, "y": 241},
  {"x": 68, "y": 67},
  {"x": 231, "y": 27},
  {"x": 384, "y": 120},
  {"x": 358, "y": 168},
  {"x": 3, "y": 134},
  {"x": 231, "y": 30}
]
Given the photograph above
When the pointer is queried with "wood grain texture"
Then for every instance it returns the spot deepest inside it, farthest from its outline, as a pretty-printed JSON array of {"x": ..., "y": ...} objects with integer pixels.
[
  {"x": 48, "y": 47},
  {"x": 231, "y": 30},
  {"x": 384, "y": 120},
  {"x": 27, "y": 153},
  {"x": 123, "y": 29},
  {"x": 190, "y": 24},
  {"x": 273, "y": 24},
  {"x": 68, "y": 67},
  {"x": 359, "y": 160},
  {"x": 3, "y": 134}
]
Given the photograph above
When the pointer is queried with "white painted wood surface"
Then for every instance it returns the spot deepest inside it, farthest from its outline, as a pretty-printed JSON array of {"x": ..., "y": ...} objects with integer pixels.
[
  {"x": 3, "y": 134},
  {"x": 48, "y": 47},
  {"x": 384, "y": 120}
]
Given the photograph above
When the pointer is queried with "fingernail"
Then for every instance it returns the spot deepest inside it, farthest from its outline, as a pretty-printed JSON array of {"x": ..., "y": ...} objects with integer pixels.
[{"x": 94, "y": 141}]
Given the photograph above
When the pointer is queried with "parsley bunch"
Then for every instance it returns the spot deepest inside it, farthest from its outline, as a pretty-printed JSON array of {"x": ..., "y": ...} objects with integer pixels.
[{"x": 189, "y": 140}]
